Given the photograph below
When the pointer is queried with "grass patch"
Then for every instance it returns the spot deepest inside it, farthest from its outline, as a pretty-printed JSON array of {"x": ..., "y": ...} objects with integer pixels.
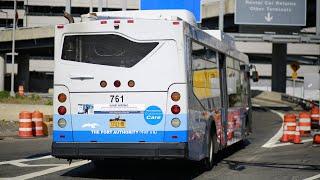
[{"x": 31, "y": 99}]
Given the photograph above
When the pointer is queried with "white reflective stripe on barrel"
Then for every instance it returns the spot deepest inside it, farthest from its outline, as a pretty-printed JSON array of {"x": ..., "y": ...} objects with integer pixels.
[
  {"x": 305, "y": 128},
  {"x": 37, "y": 119},
  {"x": 25, "y": 120},
  {"x": 291, "y": 124},
  {"x": 25, "y": 129},
  {"x": 289, "y": 132},
  {"x": 304, "y": 120},
  {"x": 39, "y": 128},
  {"x": 315, "y": 115}
]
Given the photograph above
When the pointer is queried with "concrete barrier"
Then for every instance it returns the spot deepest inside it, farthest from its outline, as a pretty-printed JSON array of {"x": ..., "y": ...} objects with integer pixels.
[{"x": 10, "y": 112}]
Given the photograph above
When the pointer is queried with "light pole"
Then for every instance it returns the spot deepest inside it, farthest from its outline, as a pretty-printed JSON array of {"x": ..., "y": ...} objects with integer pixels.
[
  {"x": 124, "y": 5},
  {"x": 91, "y": 6},
  {"x": 12, "y": 94},
  {"x": 1, "y": 11},
  {"x": 221, "y": 15},
  {"x": 318, "y": 18}
]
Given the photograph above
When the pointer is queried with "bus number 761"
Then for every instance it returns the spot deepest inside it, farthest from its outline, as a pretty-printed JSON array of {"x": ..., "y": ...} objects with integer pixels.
[{"x": 116, "y": 98}]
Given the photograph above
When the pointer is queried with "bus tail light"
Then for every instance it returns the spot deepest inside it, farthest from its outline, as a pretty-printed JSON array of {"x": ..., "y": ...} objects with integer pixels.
[
  {"x": 175, "y": 109},
  {"x": 117, "y": 83},
  {"x": 62, "y": 97},
  {"x": 131, "y": 83},
  {"x": 175, "y": 96},
  {"x": 62, "y": 110},
  {"x": 103, "y": 22},
  {"x": 130, "y": 21},
  {"x": 60, "y": 26},
  {"x": 176, "y": 23}
]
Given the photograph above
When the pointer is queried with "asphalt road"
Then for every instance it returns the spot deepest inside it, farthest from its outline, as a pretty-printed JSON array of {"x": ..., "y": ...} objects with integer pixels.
[{"x": 31, "y": 158}]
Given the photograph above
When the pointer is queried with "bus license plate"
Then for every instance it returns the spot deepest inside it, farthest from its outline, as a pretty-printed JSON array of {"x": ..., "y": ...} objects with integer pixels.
[{"x": 117, "y": 123}]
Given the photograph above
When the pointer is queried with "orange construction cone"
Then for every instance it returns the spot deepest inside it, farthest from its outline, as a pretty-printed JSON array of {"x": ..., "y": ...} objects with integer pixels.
[
  {"x": 297, "y": 137},
  {"x": 316, "y": 139},
  {"x": 285, "y": 136}
]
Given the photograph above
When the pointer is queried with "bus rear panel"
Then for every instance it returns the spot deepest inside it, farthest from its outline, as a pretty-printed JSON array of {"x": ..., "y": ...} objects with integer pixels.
[{"x": 120, "y": 90}]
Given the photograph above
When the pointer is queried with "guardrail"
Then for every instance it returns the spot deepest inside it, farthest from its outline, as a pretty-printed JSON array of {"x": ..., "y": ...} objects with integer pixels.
[{"x": 305, "y": 104}]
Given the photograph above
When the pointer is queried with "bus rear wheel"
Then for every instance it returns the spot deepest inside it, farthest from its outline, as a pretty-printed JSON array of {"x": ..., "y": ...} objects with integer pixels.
[{"x": 208, "y": 162}]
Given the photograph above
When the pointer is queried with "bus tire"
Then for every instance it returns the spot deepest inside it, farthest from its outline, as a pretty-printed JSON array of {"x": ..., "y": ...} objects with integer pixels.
[{"x": 208, "y": 162}]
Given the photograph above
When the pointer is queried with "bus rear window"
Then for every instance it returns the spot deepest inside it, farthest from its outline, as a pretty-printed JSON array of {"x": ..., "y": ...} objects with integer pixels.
[{"x": 109, "y": 49}]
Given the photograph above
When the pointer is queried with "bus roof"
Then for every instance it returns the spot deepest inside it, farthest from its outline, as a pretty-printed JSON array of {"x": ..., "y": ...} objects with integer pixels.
[{"x": 170, "y": 15}]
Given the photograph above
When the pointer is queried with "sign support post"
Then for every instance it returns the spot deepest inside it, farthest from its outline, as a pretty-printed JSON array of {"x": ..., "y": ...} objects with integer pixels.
[{"x": 294, "y": 87}]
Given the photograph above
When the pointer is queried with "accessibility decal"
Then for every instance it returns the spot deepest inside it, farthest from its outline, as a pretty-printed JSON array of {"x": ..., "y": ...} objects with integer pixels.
[{"x": 153, "y": 115}]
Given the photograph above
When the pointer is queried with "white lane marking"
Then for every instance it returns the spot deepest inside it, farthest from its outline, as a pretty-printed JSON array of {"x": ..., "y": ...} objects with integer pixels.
[
  {"x": 19, "y": 164},
  {"x": 313, "y": 177},
  {"x": 277, "y": 136},
  {"x": 286, "y": 144},
  {"x": 24, "y": 160},
  {"x": 50, "y": 170}
]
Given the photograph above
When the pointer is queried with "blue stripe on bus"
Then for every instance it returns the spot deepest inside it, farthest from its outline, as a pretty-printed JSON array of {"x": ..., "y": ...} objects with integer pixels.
[
  {"x": 82, "y": 122},
  {"x": 88, "y": 136}
]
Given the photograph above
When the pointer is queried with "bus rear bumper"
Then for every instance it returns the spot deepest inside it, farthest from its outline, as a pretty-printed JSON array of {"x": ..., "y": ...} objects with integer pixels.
[{"x": 117, "y": 150}]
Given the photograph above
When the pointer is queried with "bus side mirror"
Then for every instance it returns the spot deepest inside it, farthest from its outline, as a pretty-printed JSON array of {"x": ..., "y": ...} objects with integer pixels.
[{"x": 255, "y": 76}]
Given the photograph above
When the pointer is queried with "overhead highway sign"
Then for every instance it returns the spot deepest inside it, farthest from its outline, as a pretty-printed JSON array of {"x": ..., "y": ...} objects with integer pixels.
[{"x": 271, "y": 12}]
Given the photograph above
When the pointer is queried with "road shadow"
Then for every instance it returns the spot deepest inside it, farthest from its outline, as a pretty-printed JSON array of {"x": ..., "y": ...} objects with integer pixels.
[
  {"x": 255, "y": 93},
  {"x": 149, "y": 169},
  {"x": 38, "y": 155},
  {"x": 309, "y": 167},
  {"x": 137, "y": 169}
]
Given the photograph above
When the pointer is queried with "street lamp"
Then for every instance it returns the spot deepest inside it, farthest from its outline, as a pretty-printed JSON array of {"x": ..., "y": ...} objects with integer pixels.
[
  {"x": 1, "y": 11},
  {"x": 12, "y": 94}
]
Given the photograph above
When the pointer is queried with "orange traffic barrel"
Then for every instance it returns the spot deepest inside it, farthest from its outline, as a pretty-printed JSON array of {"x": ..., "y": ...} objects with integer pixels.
[
  {"x": 305, "y": 123},
  {"x": 21, "y": 91},
  {"x": 316, "y": 139},
  {"x": 25, "y": 124},
  {"x": 237, "y": 119},
  {"x": 290, "y": 125},
  {"x": 230, "y": 135},
  {"x": 285, "y": 136},
  {"x": 297, "y": 136},
  {"x": 315, "y": 117},
  {"x": 37, "y": 120}
]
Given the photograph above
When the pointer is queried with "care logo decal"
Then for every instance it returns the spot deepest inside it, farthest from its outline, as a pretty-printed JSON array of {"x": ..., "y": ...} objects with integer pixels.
[{"x": 153, "y": 115}]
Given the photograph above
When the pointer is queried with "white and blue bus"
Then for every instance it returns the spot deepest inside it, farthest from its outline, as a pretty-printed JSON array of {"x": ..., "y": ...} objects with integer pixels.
[{"x": 147, "y": 84}]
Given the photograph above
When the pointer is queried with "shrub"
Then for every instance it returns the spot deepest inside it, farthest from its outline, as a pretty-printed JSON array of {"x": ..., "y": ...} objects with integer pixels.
[{"x": 4, "y": 94}]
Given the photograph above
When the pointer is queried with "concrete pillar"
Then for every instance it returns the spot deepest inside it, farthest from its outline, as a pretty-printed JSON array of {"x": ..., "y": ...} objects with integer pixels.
[
  {"x": 279, "y": 67},
  {"x": 2, "y": 72},
  {"x": 23, "y": 71}
]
